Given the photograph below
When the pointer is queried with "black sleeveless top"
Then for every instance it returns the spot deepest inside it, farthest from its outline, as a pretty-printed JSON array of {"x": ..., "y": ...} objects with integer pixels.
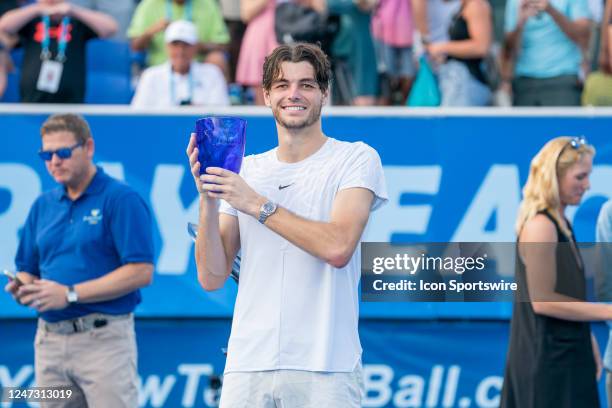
[
  {"x": 550, "y": 361},
  {"x": 458, "y": 31}
]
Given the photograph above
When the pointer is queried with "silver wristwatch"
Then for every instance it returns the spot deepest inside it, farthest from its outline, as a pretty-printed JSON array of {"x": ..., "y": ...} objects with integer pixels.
[
  {"x": 267, "y": 210},
  {"x": 71, "y": 295}
]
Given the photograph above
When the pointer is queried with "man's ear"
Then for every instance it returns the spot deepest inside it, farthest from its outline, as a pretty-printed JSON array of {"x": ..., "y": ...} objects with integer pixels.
[
  {"x": 325, "y": 97},
  {"x": 90, "y": 146},
  {"x": 266, "y": 95}
]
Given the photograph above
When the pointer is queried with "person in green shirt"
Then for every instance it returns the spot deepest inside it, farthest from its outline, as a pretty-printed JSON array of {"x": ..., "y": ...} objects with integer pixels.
[{"x": 146, "y": 31}]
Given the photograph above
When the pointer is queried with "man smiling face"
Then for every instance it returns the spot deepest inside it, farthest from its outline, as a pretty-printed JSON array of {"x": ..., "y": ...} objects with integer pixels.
[{"x": 295, "y": 96}]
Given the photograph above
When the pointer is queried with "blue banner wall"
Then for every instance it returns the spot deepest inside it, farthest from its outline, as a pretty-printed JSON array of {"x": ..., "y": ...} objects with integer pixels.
[
  {"x": 449, "y": 178},
  {"x": 407, "y": 364}
]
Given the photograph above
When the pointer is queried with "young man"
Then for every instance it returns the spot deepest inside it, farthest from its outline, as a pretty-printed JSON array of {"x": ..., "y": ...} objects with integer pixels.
[
  {"x": 85, "y": 250},
  {"x": 53, "y": 34},
  {"x": 296, "y": 213}
]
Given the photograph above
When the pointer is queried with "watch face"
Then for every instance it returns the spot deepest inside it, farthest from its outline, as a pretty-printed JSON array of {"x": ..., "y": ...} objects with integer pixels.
[
  {"x": 72, "y": 296},
  {"x": 268, "y": 207}
]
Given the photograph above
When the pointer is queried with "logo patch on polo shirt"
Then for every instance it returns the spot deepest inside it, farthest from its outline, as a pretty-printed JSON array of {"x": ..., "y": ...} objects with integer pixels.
[{"x": 94, "y": 218}]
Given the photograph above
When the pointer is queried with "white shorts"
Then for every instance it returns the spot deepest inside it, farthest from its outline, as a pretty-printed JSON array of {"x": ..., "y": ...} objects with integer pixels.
[{"x": 292, "y": 388}]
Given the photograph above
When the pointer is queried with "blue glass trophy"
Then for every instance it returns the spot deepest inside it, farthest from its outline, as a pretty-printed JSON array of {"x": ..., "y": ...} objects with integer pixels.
[{"x": 220, "y": 142}]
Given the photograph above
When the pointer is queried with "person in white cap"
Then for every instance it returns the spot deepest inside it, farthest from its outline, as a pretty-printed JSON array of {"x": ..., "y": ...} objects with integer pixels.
[{"x": 182, "y": 80}]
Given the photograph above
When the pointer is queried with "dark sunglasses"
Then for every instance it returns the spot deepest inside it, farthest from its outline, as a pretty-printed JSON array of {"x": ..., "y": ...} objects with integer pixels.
[{"x": 63, "y": 153}]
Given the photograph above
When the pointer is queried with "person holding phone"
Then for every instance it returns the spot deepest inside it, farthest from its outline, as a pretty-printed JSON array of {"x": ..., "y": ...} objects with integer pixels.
[
  {"x": 545, "y": 40},
  {"x": 297, "y": 214},
  {"x": 85, "y": 250},
  {"x": 54, "y": 36},
  {"x": 14, "y": 281}
]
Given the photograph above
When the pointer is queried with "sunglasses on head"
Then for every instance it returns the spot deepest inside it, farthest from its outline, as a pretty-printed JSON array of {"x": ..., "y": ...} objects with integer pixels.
[
  {"x": 577, "y": 141},
  {"x": 63, "y": 153}
]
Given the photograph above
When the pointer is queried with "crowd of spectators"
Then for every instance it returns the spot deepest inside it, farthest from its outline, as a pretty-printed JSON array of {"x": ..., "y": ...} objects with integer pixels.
[{"x": 211, "y": 52}]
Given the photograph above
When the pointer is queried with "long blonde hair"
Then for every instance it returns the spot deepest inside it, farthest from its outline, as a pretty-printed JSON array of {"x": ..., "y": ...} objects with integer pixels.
[{"x": 541, "y": 192}]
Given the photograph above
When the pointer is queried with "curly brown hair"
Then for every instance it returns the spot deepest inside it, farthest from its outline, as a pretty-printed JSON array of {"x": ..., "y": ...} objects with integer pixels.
[{"x": 297, "y": 52}]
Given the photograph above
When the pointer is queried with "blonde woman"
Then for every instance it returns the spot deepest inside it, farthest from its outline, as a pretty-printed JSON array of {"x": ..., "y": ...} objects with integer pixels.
[{"x": 553, "y": 360}]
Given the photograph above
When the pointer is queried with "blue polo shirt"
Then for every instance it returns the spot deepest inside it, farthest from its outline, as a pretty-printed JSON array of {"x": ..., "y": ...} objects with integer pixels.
[{"x": 70, "y": 242}]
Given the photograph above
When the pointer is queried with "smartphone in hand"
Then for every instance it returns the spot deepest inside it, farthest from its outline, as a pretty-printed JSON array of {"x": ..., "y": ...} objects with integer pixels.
[{"x": 12, "y": 276}]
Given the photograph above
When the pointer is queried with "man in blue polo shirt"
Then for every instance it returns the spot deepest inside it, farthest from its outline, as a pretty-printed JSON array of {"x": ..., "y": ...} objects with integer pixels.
[{"x": 85, "y": 250}]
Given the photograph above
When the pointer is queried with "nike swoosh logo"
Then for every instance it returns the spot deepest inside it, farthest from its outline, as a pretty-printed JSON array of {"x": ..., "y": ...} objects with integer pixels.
[{"x": 283, "y": 187}]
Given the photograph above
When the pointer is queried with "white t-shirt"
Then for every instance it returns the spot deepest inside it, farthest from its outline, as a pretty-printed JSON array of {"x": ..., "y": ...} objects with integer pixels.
[
  {"x": 159, "y": 84},
  {"x": 294, "y": 311}
]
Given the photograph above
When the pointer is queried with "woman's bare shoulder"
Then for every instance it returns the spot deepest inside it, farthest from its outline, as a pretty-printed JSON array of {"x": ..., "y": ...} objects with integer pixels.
[{"x": 539, "y": 229}]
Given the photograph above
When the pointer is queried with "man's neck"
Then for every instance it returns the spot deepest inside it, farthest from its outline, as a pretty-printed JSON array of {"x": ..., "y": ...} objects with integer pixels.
[
  {"x": 181, "y": 70},
  {"x": 297, "y": 145},
  {"x": 76, "y": 190}
]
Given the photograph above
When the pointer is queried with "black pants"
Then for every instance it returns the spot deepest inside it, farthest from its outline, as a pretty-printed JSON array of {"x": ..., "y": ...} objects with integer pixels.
[{"x": 564, "y": 90}]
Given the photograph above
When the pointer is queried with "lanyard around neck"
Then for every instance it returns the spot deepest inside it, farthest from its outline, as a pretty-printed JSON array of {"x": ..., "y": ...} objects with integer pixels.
[
  {"x": 62, "y": 39},
  {"x": 188, "y": 10},
  {"x": 173, "y": 87}
]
